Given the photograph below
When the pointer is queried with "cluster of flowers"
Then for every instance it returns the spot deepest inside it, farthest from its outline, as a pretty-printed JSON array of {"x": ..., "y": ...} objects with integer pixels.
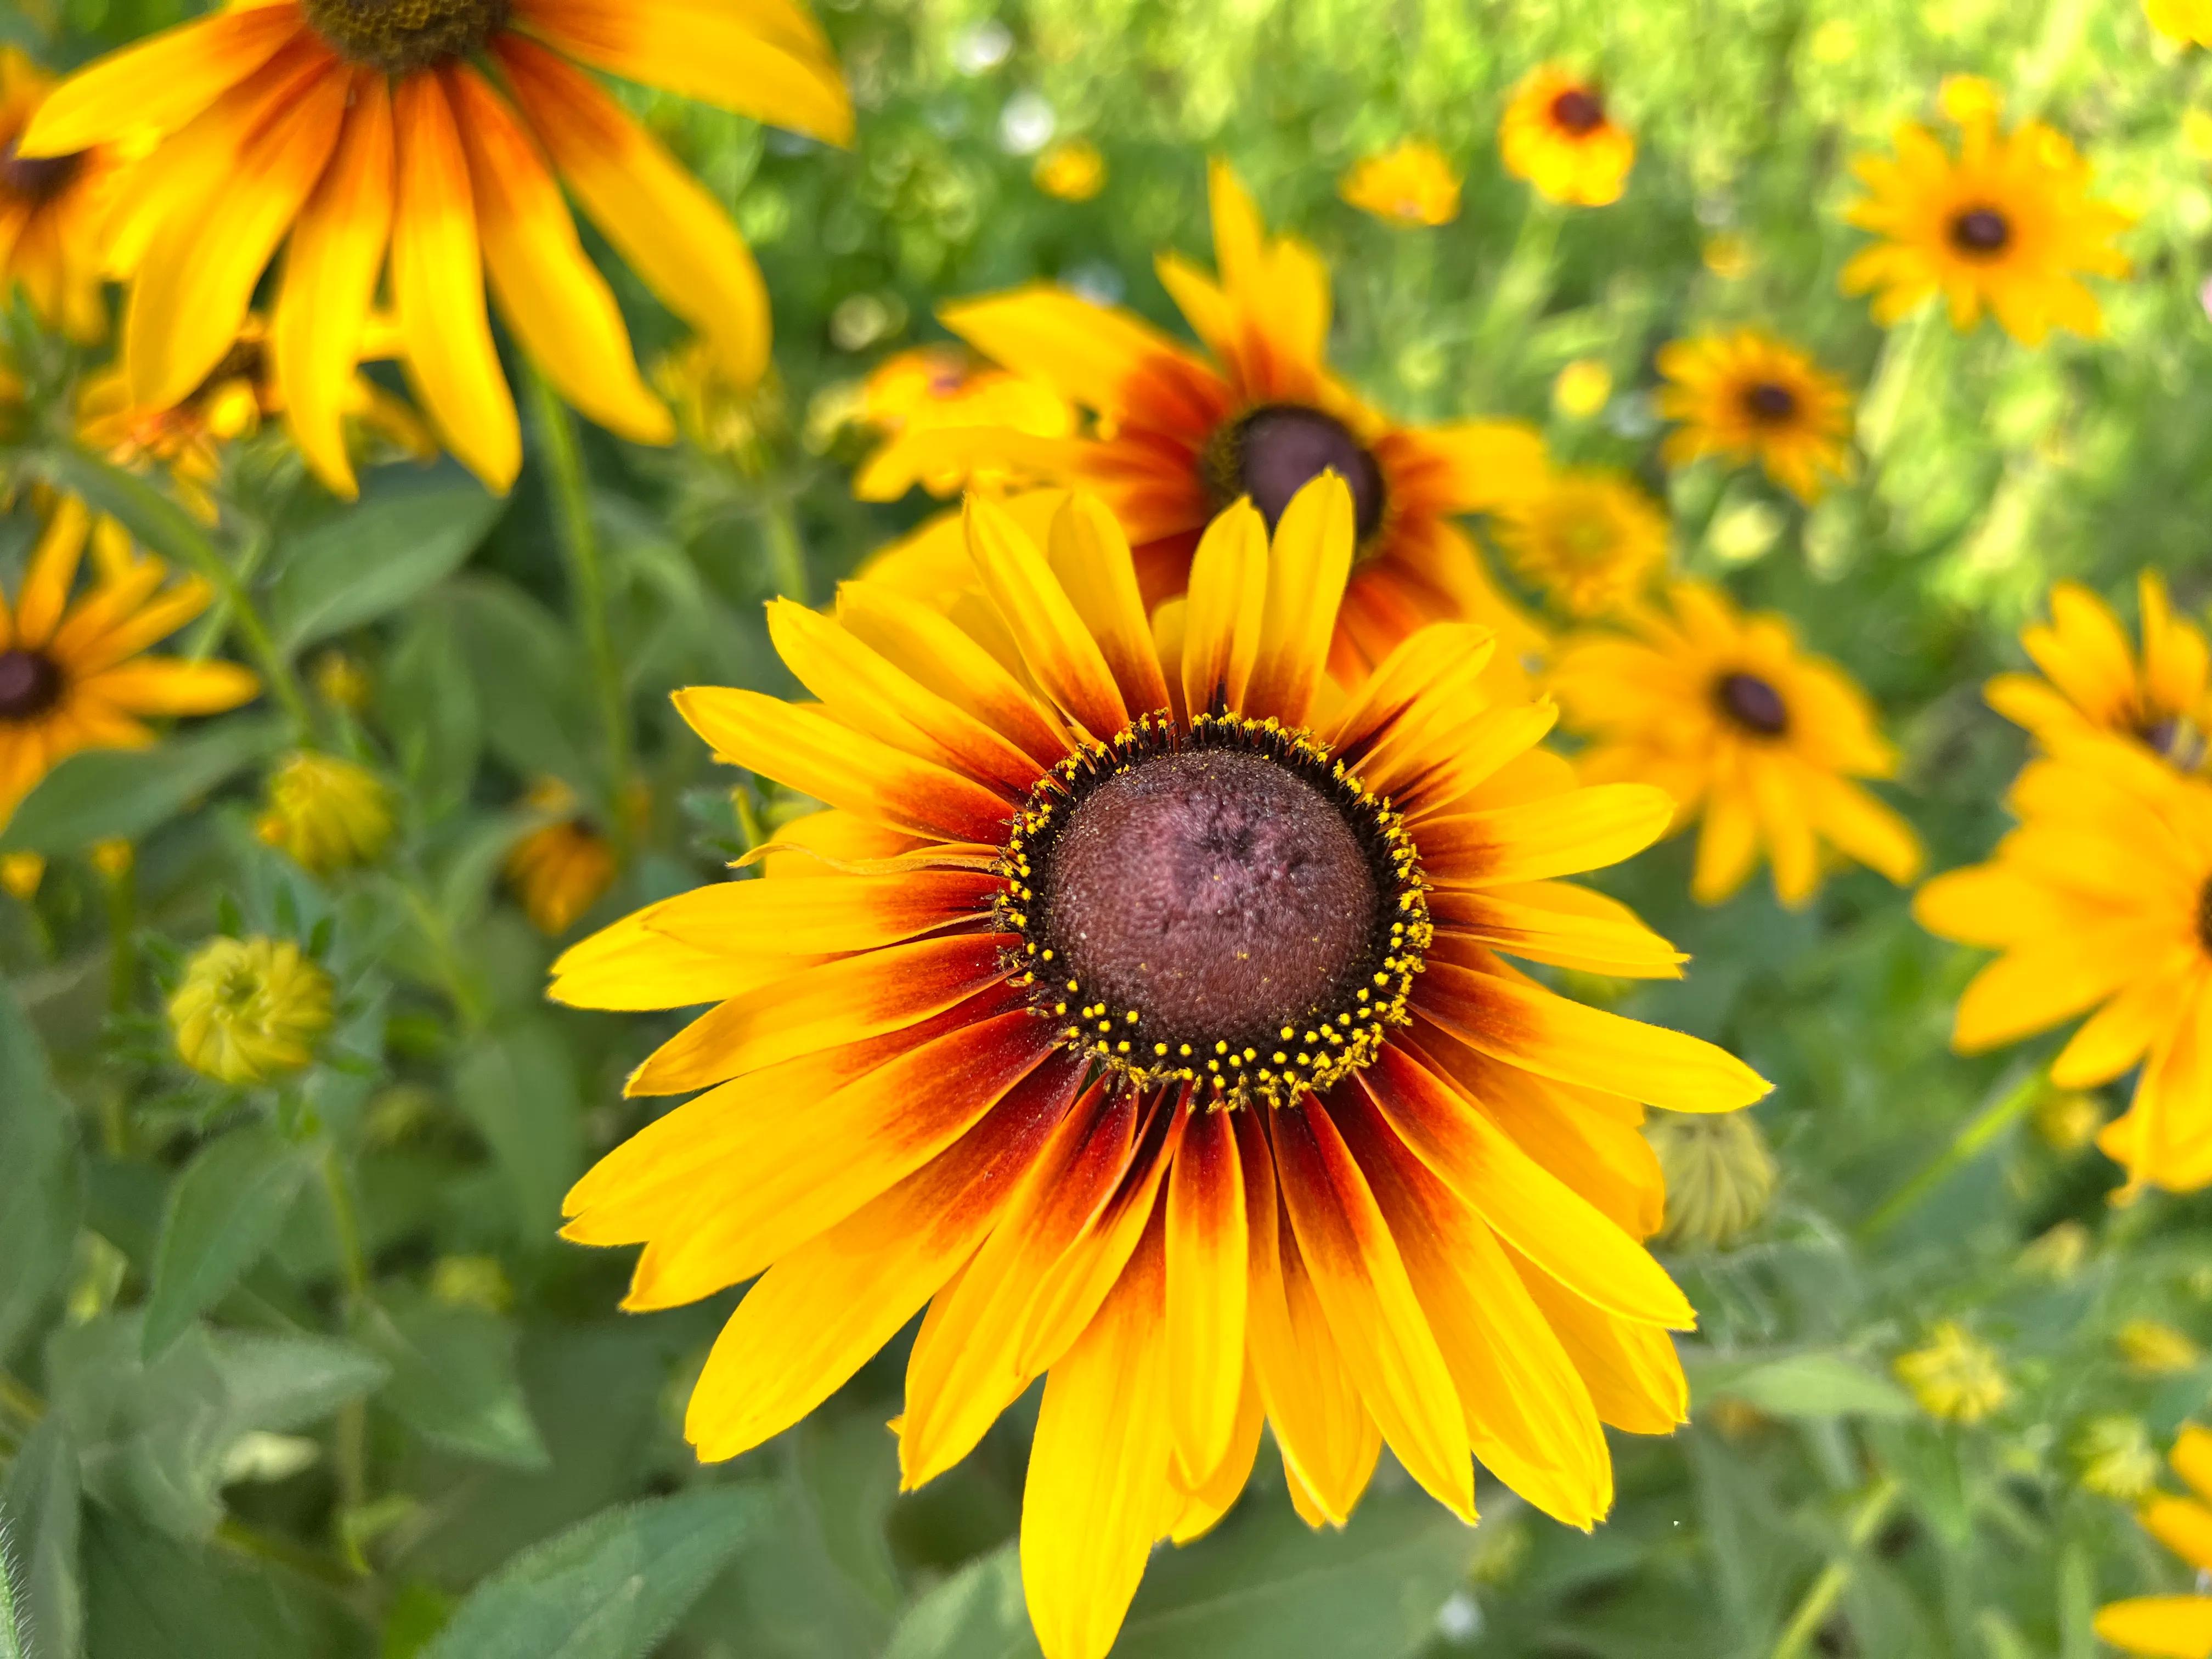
[{"x": 1139, "y": 1002}]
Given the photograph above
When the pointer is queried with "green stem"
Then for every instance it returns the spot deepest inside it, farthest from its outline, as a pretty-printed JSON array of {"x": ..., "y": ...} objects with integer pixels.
[
  {"x": 168, "y": 530},
  {"x": 1820, "y": 1599},
  {"x": 345, "y": 1224},
  {"x": 579, "y": 543},
  {"x": 122, "y": 921},
  {"x": 1984, "y": 1127},
  {"x": 786, "y": 554},
  {"x": 19, "y": 1400},
  {"x": 236, "y": 1535}
]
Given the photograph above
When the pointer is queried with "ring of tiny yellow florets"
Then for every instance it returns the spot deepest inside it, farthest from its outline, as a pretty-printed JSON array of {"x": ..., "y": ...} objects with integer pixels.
[{"x": 1310, "y": 1055}]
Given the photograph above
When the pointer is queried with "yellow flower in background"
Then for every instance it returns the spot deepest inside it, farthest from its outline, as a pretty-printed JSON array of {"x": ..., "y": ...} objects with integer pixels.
[
  {"x": 1072, "y": 170},
  {"x": 1720, "y": 1176},
  {"x": 1557, "y": 134},
  {"x": 2172, "y": 1626},
  {"x": 249, "y": 1009},
  {"x": 1179, "y": 436},
  {"x": 54, "y": 211},
  {"x": 73, "y": 676},
  {"x": 328, "y": 814},
  {"x": 2189, "y": 22},
  {"x": 1266, "y": 1166},
  {"x": 2008, "y": 225},
  {"x": 340, "y": 680},
  {"x": 1749, "y": 734},
  {"x": 1590, "y": 539},
  {"x": 1582, "y": 388},
  {"x": 354, "y": 131},
  {"x": 2117, "y": 1458},
  {"x": 1748, "y": 396},
  {"x": 21, "y": 874},
  {"x": 1956, "y": 1377},
  {"x": 114, "y": 858},
  {"x": 2152, "y": 1348},
  {"x": 940, "y": 388},
  {"x": 1727, "y": 255},
  {"x": 2095, "y": 683},
  {"x": 2101, "y": 900},
  {"x": 2068, "y": 1120},
  {"x": 561, "y": 869},
  {"x": 1409, "y": 184}
]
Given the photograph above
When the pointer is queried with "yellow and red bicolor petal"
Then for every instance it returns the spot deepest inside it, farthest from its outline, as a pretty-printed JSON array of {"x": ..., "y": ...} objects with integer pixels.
[
  {"x": 1208, "y": 1278},
  {"x": 1586, "y": 829},
  {"x": 1061, "y": 654},
  {"x": 1090, "y": 354},
  {"x": 1223, "y": 610},
  {"x": 161, "y": 83},
  {"x": 1091, "y": 556},
  {"x": 1631, "y": 1368},
  {"x": 822, "y": 914}
]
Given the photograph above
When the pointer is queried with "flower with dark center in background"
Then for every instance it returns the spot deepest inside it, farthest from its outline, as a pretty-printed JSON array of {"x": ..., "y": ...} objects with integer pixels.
[
  {"x": 2095, "y": 683},
  {"x": 1142, "y": 1013},
  {"x": 1753, "y": 738},
  {"x": 72, "y": 676},
  {"x": 2101, "y": 900},
  {"x": 433, "y": 132},
  {"x": 1178, "y": 435},
  {"x": 54, "y": 210},
  {"x": 1557, "y": 134},
  {"x": 1748, "y": 396},
  {"x": 2008, "y": 224}
]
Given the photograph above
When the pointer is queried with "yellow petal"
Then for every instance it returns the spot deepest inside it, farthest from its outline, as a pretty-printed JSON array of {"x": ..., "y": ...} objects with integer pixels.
[
  {"x": 1224, "y": 609},
  {"x": 161, "y": 83},
  {"x": 1088, "y": 354},
  {"x": 1311, "y": 561},
  {"x": 1091, "y": 556},
  {"x": 2169, "y": 1626},
  {"x": 1058, "y": 648},
  {"x": 1586, "y": 829},
  {"x": 1207, "y": 1277}
]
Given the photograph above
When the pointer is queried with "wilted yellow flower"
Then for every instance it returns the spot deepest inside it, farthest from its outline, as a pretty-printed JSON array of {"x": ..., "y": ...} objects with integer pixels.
[
  {"x": 339, "y": 679},
  {"x": 2189, "y": 22},
  {"x": 249, "y": 1009},
  {"x": 472, "y": 1281},
  {"x": 1590, "y": 538},
  {"x": 1720, "y": 1176},
  {"x": 21, "y": 874},
  {"x": 2067, "y": 1120},
  {"x": 328, "y": 813},
  {"x": 1558, "y": 135},
  {"x": 1072, "y": 169},
  {"x": 1582, "y": 388},
  {"x": 112, "y": 858},
  {"x": 1409, "y": 184},
  {"x": 2154, "y": 1348},
  {"x": 1956, "y": 1377},
  {"x": 560, "y": 871},
  {"x": 2117, "y": 1457}
]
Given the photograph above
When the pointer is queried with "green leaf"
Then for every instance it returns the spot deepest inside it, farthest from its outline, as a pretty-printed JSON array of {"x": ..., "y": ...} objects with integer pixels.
[
  {"x": 41, "y": 1194},
  {"x": 1812, "y": 1384},
  {"x": 607, "y": 1588},
  {"x": 518, "y": 1087},
  {"x": 977, "y": 1613},
  {"x": 453, "y": 1380},
  {"x": 104, "y": 794},
  {"x": 430, "y": 708},
  {"x": 374, "y": 557},
  {"x": 149, "y": 1596},
  {"x": 42, "y": 1609},
  {"x": 525, "y": 667},
  {"x": 224, "y": 1210}
]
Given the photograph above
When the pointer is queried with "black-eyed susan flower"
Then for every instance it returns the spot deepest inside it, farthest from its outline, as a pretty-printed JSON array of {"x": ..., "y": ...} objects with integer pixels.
[
  {"x": 939, "y": 388},
  {"x": 2093, "y": 682},
  {"x": 1072, "y": 170},
  {"x": 1558, "y": 133},
  {"x": 54, "y": 210},
  {"x": 1411, "y": 183},
  {"x": 2007, "y": 224},
  {"x": 1590, "y": 538},
  {"x": 1720, "y": 1176},
  {"x": 560, "y": 869},
  {"x": 249, "y": 1010},
  {"x": 2189, "y": 22},
  {"x": 73, "y": 675},
  {"x": 2101, "y": 899},
  {"x": 2172, "y": 1626},
  {"x": 1138, "y": 1006},
  {"x": 1753, "y": 737},
  {"x": 327, "y": 814},
  {"x": 1955, "y": 1375},
  {"x": 1747, "y": 396},
  {"x": 433, "y": 133},
  {"x": 1179, "y": 435}
]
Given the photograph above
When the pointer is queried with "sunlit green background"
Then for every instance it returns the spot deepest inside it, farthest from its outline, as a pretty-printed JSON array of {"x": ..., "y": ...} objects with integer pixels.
[{"x": 303, "y": 1474}]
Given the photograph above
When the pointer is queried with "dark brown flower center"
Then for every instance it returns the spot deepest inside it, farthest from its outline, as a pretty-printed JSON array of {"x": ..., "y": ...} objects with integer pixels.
[
  {"x": 1752, "y": 704},
  {"x": 1220, "y": 906},
  {"x": 1769, "y": 402},
  {"x": 1276, "y": 451},
  {"x": 2176, "y": 739},
  {"x": 30, "y": 684},
  {"x": 1980, "y": 232},
  {"x": 1578, "y": 110},
  {"x": 37, "y": 178},
  {"x": 2204, "y": 917},
  {"x": 401, "y": 36}
]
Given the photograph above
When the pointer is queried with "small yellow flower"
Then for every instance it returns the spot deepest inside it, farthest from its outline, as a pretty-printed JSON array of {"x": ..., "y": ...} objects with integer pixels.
[
  {"x": 2068, "y": 1120},
  {"x": 2154, "y": 1348},
  {"x": 1557, "y": 134},
  {"x": 1964, "y": 99},
  {"x": 1956, "y": 1377},
  {"x": 472, "y": 1281},
  {"x": 329, "y": 814},
  {"x": 1072, "y": 169},
  {"x": 1720, "y": 1176},
  {"x": 560, "y": 871},
  {"x": 249, "y": 1009},
  {"x": 1590, "y": 539},
  {"x": 21, "y": 874},
  {"x": 2189, "y": 22},
  {"x": 1409, "y": 184},
  {"x": 340, "y": 679},
  {"x": 1729, "y": 256},
  {"x": 1582, "y": 388},
  {"x": 2117, "y": 1457},
  {"x": 1748, "y": 396},
  {"x": 112, "y": 858}
]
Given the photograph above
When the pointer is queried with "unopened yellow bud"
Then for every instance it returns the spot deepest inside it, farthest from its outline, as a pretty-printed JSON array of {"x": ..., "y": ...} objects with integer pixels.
[
  {"x": 327, "y": 814},
  {"x": 249, "y": 1009},
  {"x": 1957, "y": 1377},
  {"x": 112, "y": 858},
  {"x": 1720, "y": 1176}
]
